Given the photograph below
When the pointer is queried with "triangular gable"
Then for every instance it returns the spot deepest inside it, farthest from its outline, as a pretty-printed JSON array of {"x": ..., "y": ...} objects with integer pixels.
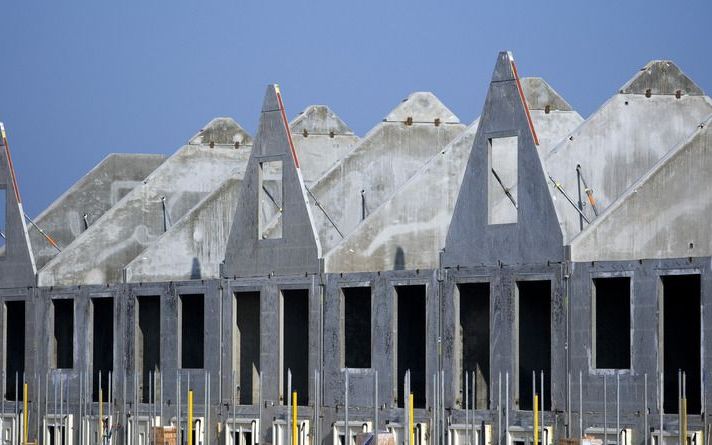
[
  {"x": 505, "y": 144},
  {"x": 385, "y": 159},
  {"x": 665, "y": 214},
  {"x": 17, "y": 265},
  {"x": 272, "y": 185},
  {"x": 661, "y": 77}
]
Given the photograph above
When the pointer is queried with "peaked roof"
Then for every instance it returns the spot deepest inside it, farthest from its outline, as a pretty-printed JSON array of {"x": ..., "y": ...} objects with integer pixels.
[
  {"x": 527, "y": 231},
  {"x": 541, "y": 96},
  {"x": 222, "y": 131},
  {"x": 17, "y": 268},
  {"x": 408, "y": 233},
  {"x": 665, "y": 214},
  {"x": 321, "y": 139},
  {"x": 379, "y": 164},
  {"x": 92, "y": 195},
  {"x": 295, "y": 247},
  {"x": 99, "y": 254},
  {"x": 422, "y": 106},
  {"x": 196, "y": 245},
  {"x": 661, "y": 77},
  {"x": 617, "y": 144},
  {"x": 319, "y": 120}
]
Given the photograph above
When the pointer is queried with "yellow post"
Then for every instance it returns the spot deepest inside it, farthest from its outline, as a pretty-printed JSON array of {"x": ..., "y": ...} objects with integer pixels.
[
  {"x": 25, "y": 413},
  {"x": 189, "y": 429},
  {"x": 536, "y": 419},
  {"x": 101, "y": 414},
  {"x": 411, "y": 427},
  {"x": 295, "y": 440},
  {"x": 684, "y": 421}
]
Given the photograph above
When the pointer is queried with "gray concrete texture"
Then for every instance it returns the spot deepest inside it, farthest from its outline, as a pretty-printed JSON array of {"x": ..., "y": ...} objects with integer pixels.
[
  {"x": 321, "y": 139},
  {"x": 536, "y": 290},
  {"x": 17, "y": 264},
  {"x": 408, "y": 233},
  {"x": 473, "y": 238},
  {"x": 99, "y": 254},
  {"x": 622, "y": 140},
  {"x": 94, "y": 194},
  {"x": 662, "y": 215},
  {"x": 295, "y": 248},
  {"x": 390, "y": 154},
  {"x": 195, "y": 246}
]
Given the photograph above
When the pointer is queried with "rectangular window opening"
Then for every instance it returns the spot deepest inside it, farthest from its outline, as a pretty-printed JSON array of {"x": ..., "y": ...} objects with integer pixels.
[
  {"x": 247, "y": 339},
  {"x": 357, "y": 327},
  {"x": 148, "y": 343},
  {"x": 681, "y": 339},
  {"x": 294, "y": 350},
  {"x": 534, "y": 341},
  {"x": 474, "y": 333},
  {"x": 102, "y": 344},
  {"x": 270, "y": 200},
  {"x": 192, "y": 331},
  {"x": 63, "y": 333},
  {"x": 502, "y": 180},
  {"x": 56, "y": 435},
  {"x": 611, "y": 323},
  {"x": 15, "y": 346},
  {"x": 410, "y": 313}
]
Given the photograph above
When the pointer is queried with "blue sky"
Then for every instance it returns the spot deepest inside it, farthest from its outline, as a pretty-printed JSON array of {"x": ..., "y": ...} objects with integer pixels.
[{"x": 79, "y": 80}]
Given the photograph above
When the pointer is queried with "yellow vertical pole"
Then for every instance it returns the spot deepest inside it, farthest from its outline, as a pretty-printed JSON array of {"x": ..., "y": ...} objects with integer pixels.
[
  {"x": 101, "y": 414},
  {"x": 411, "y": 426},
  {"x": 189, "y": 429},
  {"x": 536, "y": 419},
  {"x": 295, "y": 440},
  {"x": 684, "y": 422},
  {"x": 25, "y": 413}
]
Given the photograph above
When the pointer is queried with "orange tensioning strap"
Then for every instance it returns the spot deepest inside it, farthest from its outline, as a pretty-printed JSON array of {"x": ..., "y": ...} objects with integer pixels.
[
  {"x": 9, "y": 164},
  {"x": 286, "y": 127},
  {"x": 524, "y": 102}
]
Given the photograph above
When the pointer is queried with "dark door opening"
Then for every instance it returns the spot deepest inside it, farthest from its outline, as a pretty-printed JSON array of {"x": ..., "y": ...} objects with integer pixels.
[
  {"x": 681, "y": 339},
  {"x": 63, "y": 339},
  {"x": 411, "y": 341},
  {"x": 295, "y": 343},
  {"x": 357, "y": 327},
  {"x": 611, "y": 324},
  {"x": 56, "y": 435},
  {"x": 192, "y": 331},
  {"x": 15, "y": 343},
  {"x": 103, "y": 345},
  {"x": 474, "y": 335},
  {"x": 534, "y": 338},
  {"x": 148, "y": 342},
  {"x": 247, "y": 306}
]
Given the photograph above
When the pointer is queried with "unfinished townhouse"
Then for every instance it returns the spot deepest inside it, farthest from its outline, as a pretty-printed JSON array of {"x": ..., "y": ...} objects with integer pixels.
[{"x": 530, "y": 278}]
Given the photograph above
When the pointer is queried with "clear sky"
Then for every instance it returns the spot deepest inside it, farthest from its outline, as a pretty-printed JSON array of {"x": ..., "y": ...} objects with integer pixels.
[{"x": 79, "y": 80}]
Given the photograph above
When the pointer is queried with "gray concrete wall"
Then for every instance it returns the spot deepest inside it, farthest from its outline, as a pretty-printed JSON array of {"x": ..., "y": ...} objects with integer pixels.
[
  {"x": 195, "y": 246},
  {"x": 94, "y": 194},
  {"x": 620, "y": 142},
  {"x": 662, "y": 214},
  {"x": 645, "y": 352},
  {"x": 380, "y": 163},
  {"x": 535, "y": 236},
  {"x": 409, "y": 233},
  {"x": 17, "y": 264},
  {"x": 100, "y": 253},
  {"x": 403, "y": 232},
  {"x": 321, "y": 139},
  {"x": 296, "y": 249}
]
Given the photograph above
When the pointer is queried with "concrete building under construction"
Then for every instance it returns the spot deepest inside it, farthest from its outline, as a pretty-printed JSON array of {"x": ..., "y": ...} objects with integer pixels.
[{"x": 526, "y": 278}]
